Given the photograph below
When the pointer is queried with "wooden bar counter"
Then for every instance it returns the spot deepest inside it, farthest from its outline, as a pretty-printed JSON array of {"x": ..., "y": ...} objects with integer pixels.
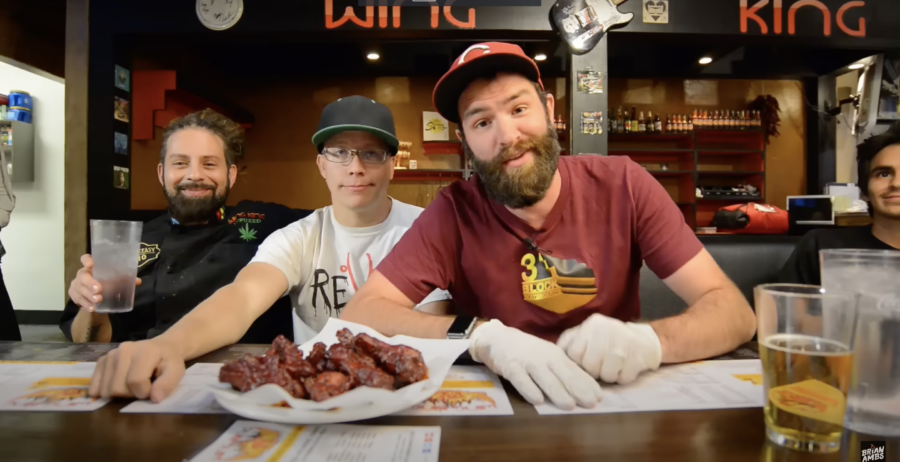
[{"x": 690, "y": 436}]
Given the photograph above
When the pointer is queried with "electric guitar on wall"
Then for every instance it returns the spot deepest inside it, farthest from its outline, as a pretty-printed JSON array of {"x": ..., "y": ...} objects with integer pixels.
[{"x": 582, "y": 23}]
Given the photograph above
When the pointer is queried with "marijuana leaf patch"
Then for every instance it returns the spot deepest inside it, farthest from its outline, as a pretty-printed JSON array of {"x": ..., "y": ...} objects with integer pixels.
[{"x": 247, "y": 234}]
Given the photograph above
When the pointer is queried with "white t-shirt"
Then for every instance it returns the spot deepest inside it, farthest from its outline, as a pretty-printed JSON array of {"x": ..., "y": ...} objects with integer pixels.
[{"x": 325, "y": 263}]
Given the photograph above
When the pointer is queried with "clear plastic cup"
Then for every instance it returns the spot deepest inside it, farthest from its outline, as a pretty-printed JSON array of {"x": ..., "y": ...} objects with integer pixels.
[
  {"x": 114, "y": 248},
  {"x": 858, "y": 270},
  {"x": 873, "y": 404},
  {"x": 805, "y": 344}
]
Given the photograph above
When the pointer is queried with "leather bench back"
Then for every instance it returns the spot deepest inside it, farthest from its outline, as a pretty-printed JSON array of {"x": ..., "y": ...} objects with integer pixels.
[{"x": 747, "y": 259}]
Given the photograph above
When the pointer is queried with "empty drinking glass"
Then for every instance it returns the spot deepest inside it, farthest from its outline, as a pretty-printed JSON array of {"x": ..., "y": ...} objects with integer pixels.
[
  {"x": 873, "y": 403},
  {"x": 114, "y": 248}
]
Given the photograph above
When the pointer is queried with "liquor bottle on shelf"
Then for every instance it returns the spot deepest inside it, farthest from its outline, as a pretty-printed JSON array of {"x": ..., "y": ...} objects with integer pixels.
[
  {"x": 669, "y": 123},
  {"x": 642, "y": 123},
  {"x": 627, "y": 122},
  {"x": 649, "y": 122},
  {"x": 634, "y": 122},
  {"x": 620, "y": 123},
  {"x": 690, "y": 124},
  {"x": 657, "y": 124}
]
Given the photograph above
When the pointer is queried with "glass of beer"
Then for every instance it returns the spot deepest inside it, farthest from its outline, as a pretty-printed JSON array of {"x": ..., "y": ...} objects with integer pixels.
[
  {"x": 114, "y": 248},
  {"x": 805, "y": 336}
]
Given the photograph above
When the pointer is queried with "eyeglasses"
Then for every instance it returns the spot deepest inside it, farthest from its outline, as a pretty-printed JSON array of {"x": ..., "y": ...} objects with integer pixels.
[{"x": 345, "y": 156}]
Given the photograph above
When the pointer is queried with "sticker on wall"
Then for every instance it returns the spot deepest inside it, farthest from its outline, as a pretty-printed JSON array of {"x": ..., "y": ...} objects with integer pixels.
[
  {"x": 591, "y": 123},
  {"x": 121, "y": 109},
  {"x": 120, "y": 177},
  {"x": 123, "y": 78},
  {"x": 656, "y": 11},
  {"x": 590, "y": 81},
  {"x": 435, "y": 127},
  {"x": 121, "y": 146}
]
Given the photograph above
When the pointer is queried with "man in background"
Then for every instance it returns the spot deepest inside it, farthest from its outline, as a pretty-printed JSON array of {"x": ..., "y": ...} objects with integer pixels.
[
  {"x": 878, "y": 171},
  {"x": 196, "y": 248}
]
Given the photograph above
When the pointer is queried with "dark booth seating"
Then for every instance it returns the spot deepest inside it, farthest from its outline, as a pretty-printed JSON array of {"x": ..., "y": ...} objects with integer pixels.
[{"x": 748, "y": 260}]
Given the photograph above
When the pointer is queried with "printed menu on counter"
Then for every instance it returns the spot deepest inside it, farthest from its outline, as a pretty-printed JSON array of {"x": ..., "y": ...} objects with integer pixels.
[
  {"x": 57, "y": 387},
  {"x": 467, "y": 390},
  {"x": 724, "y": 384},
  {"x": 261, "y": 441},
  {"x": 193, "y": 395}
]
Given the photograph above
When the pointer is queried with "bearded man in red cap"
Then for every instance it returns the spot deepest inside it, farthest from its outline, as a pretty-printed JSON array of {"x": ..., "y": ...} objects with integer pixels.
[{"x": 541, "y": 249}]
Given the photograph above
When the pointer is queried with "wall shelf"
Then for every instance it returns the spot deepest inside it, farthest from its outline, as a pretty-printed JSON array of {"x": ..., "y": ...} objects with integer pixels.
[
  {"x": 416, "y": 174},
  {"x": 712, "y": 158}
]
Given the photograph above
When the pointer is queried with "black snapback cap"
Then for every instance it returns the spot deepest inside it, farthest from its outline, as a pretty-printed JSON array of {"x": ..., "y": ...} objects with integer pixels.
[{"x": 356, "y": 113}]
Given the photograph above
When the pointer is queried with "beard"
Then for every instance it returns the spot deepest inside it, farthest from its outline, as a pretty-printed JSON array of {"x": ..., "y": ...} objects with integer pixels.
[
  {"x": 523, "y": 186},
  {"x": 188, "y": 210}
]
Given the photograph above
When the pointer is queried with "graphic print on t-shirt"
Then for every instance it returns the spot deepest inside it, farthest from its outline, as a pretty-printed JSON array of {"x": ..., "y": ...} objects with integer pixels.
[
  {"x": 323, "y": 284},
  {"x": 557, "y": 285}
]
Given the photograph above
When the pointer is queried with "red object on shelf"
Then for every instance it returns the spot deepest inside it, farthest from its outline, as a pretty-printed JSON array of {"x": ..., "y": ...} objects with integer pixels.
[
  {"x": 156, "y": 100},
  {"x": 425, "y": 175},
  {"x": 432, "y": 148}
]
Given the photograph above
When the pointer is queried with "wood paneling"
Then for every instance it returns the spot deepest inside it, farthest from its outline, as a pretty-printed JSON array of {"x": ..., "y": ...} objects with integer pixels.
[
  {"x": 785, "y": 156},
  {"x": 34, "y": 33},
  {"x": 76, "y": 176}
]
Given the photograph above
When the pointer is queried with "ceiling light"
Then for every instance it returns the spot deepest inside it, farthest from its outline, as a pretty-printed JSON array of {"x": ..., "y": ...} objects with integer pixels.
[
  {"x": 540, "y": 57},
  {"x": 705, "y": 60},
  {"x": 857, "y": 66},
  {"x": 373, "y": 56}
]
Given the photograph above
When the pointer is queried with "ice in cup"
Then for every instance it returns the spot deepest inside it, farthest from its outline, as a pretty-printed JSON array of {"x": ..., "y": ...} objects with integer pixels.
[
  {"x": 114, "y": 248},
  {"x": 873, "y": 405},
  {"x": 805, "y": 337}
]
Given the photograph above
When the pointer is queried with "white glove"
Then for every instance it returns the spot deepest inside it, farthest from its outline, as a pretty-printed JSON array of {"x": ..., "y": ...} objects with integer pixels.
[
  {"x": 612, "y": 350},
  {"x": 532, "y": 364}
]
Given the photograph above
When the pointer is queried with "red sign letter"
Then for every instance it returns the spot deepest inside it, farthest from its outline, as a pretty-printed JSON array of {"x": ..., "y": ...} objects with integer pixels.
[
  {"x": 792, "y": 14},
  {"x": 861, "y": 32},
  {"x": 349, "y": 15},
  {"x": 751, "y": 14}
]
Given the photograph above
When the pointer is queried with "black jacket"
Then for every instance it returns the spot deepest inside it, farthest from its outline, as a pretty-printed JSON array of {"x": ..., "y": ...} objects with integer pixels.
[
  {"x": 802, "y": 267},
  {"x": 180, "y": 266}
]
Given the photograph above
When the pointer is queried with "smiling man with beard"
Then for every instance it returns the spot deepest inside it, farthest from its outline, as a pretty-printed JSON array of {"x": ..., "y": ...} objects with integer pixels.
[
  {"x": 542, "y": 253},
  {"x": 196, "y": 248}
]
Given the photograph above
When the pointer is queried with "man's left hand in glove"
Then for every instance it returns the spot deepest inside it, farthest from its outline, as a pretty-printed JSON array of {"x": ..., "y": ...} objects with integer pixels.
[{"x": 611, "y": 350}]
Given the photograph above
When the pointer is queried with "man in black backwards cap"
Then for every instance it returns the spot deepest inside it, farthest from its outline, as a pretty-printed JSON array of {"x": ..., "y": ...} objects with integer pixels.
[{"x": 320, "y": 261}]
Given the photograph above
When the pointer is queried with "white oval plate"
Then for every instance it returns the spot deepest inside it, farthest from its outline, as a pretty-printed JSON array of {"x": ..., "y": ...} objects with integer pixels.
[{"x": 357, "y": 404}]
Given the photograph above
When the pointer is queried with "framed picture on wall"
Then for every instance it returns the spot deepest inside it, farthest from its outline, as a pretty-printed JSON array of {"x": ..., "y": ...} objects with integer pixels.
[
  {"x": 121, "y": 109},
  {"x": 121, "y": 143},
  {"x": 123, "y": 78},
  {"x": 120, "y": 177}
]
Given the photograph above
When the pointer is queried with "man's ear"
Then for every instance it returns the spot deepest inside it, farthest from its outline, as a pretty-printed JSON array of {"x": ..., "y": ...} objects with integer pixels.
[
  {"x": 551, "y": 105},
  {"x": 232, "y": 175},
  {"x": 320, "y": 162},
  {"x": 159, "y": 173},
  {"x": 459, "y": 135}
]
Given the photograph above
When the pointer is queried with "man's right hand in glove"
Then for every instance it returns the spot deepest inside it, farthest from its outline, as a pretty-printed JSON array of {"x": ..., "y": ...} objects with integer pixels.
[{"x": 534, "y": 366}]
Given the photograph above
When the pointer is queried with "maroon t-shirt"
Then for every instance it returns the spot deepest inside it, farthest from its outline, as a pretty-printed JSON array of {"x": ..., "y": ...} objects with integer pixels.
[{"x": 610, "y": 216}]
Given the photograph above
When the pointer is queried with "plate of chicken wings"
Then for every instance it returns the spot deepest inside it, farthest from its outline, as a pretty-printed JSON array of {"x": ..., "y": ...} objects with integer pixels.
[{"x": 347, "y": 372}]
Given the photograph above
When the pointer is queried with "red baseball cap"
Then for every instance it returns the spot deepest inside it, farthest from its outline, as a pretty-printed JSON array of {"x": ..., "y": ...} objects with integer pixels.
[{"x": 475, "y": 62}]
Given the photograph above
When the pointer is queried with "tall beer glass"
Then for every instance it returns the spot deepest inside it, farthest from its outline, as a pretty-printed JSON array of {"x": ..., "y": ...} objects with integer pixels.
[{"x": 805, "y": 336}]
